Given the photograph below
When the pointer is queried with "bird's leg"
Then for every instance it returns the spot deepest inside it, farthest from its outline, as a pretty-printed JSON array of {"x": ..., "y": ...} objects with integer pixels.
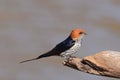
[
  {"x": 67, "y": 58},
  {"x": 70, "y": 56}
]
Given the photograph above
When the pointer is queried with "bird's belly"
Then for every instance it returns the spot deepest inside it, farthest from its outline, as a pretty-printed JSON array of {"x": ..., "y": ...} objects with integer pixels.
[{"x": 72, "y": 50}]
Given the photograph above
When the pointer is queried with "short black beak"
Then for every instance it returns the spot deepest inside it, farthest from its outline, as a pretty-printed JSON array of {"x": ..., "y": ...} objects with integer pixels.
[{"x": 85, "y": 33}]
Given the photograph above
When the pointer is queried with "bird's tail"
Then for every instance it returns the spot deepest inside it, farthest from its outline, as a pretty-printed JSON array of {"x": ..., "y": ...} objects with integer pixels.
[
  {"x": 48, "y": 54},
  {"x": 28, "y": 60}
]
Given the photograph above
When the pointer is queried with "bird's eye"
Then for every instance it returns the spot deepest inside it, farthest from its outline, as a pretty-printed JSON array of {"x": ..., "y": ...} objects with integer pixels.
[{"x": 81, "y": 33}]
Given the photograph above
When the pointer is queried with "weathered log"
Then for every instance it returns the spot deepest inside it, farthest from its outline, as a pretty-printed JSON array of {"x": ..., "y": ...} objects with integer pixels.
[{"x": 105, "y": 63}]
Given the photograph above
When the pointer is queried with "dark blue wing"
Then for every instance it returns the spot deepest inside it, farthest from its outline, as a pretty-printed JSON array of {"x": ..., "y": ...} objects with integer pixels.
[
  {"x": 63, "y": 46},
  {"x": 58, "y": 49}
]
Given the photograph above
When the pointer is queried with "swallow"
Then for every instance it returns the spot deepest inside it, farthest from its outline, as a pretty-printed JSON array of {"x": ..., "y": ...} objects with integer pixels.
[{"x": 65, "y": 48}]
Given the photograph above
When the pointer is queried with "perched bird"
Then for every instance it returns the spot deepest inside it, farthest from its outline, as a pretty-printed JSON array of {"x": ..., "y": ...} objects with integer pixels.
[{"x": 65, "y": 48}]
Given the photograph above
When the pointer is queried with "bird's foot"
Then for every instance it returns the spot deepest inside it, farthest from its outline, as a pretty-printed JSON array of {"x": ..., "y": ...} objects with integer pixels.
[
  {"x": 72, "y": 56},
  {"x": 68, "y": 59}
]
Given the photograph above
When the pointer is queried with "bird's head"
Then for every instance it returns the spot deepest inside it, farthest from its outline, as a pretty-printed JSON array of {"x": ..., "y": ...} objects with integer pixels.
[{"x": 77, "y": 34}]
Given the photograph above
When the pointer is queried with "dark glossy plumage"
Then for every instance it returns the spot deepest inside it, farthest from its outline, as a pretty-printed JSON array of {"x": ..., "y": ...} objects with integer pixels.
[
  {"x": 67, "y": 47},
  {"x": 61, "y": 47},
  {"x": 57, "y": 50}
]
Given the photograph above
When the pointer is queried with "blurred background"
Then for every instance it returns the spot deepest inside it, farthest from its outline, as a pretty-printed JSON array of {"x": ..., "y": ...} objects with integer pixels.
[{"x": 29, "y": 28}]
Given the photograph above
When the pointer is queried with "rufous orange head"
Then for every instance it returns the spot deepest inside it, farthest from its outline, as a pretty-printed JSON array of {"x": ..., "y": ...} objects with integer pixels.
[{"x": 77, "y": 33}]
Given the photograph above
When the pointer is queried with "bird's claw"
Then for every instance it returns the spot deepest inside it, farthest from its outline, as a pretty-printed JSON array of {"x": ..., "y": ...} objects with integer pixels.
[
  {"x": 72, "y": 56},
  {"x": 68, "y": 60}
]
